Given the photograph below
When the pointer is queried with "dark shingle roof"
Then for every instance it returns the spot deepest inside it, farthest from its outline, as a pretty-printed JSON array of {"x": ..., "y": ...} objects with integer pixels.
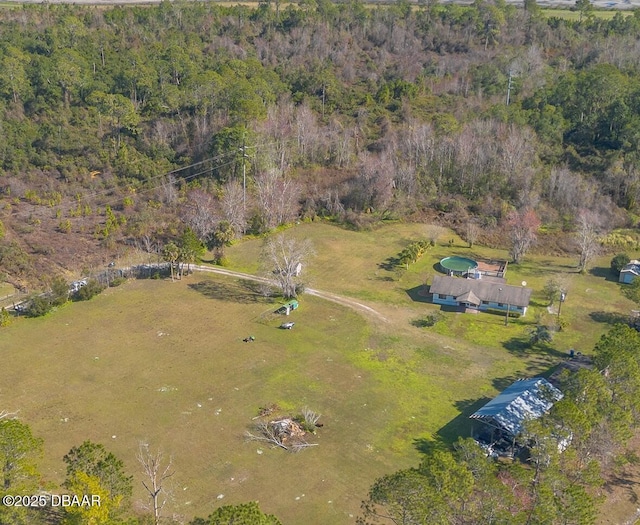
[
  {"x": 523, "y": 400},
  {"x": 484, "y": 290}
]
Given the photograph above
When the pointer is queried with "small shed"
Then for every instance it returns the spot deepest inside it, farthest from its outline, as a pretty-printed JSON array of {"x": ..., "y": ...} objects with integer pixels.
[
  {"x": 629, "y": 272},
  {"x": 287, "y": 307}
]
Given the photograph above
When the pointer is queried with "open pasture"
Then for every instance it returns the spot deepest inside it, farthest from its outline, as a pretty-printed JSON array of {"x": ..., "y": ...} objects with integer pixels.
[
  {"x": 355, "y": 264},
  {"x": 164, "y": 363},
  {"x": 605, "y": 14}
]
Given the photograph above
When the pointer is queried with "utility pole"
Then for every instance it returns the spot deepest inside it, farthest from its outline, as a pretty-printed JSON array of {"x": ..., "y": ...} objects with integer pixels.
[
  {"x": 244, "y": 179},
  {"x": 563, "y": 297},
  {"x": 509, "y": 87}
]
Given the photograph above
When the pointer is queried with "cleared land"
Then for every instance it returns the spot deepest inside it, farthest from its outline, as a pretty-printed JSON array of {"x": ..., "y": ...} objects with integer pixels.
[
  {"x": 165, "y": 363},
  {"x": 355, "y": 264}
]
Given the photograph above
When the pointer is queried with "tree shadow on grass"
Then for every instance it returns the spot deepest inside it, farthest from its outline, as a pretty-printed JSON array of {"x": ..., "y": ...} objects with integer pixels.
[
  {"x": 429, "y": 319},
  {"x": 522, "y": 347},
  {"x": 609, "y": 317},
  {"x": 428, "y": 446},
  {"x": 390, "y": 264},
  {"x": 500, "y": 383},
  {"x": 604, "y": 273},
  {"x": 241, "y": 292},
  {"x": 257, "y": 289},
  {"x": 553, "y": 266},
  {"x": 541, "y": 358}
]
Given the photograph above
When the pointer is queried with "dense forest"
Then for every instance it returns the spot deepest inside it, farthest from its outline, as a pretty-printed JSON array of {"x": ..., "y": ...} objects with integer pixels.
[{"x": 122, "y": 125}]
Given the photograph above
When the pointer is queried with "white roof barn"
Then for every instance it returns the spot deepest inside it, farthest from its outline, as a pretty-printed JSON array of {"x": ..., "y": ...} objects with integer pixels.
[{"x": 524, "y": 400}]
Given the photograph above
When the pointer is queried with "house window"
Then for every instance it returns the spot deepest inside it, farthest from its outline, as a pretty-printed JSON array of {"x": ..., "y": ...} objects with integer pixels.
[
  {"x": 500, "y": 304},
  {"x": 485, "y": 302}
]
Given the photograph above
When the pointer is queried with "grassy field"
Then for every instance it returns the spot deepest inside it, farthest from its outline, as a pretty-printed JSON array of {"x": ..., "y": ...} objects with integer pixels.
[
  {"x": 164, "y": 363},
  {"x": 568, "y": 14},
  {"x": 353, "y": 264}
]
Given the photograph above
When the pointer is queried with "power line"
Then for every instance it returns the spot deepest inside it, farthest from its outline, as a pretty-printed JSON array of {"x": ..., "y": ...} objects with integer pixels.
[
  {"x": 160, "y": 176},
  {"x": 163, "y": 176},
  {"x": 189, "y": 177}
]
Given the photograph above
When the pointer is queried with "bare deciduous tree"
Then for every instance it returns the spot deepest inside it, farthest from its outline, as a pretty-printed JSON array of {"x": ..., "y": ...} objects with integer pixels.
[
  {"x": 471, "y": 233},
  {"x": 200, "y": 214},
  {"x": 308, "y": 134},
  {"x": 516, "y": 154},
  {"x": 277, "y": 198},
  {"x": 568, "y": 190},
  {"x": 587, "y": 238},
  {"x": 148, "y": 244},
  {"x": 233, "y": 206},
  {"x": 374, "y": 184},
  {"x": 523, "y": 228},
  {"x": 283, "y": 258},
  {"x": 170, "y": 193},
  {"x": 156, "y": 473},
  {"x": 310, "y": 417},
  {"x": 433, "y": 232}
]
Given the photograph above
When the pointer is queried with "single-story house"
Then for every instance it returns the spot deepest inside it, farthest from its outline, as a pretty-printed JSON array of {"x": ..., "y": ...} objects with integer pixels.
[
  {"x": 501, "y": 420},
  {"x": 480, "y": 294},
  {"x": 629, "y": 272}
]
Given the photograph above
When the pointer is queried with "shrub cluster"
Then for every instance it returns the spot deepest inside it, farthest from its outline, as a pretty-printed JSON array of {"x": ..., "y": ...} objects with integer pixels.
[
  {"x": 619, "y": 262},
  {"x": 413, "y": 252},
  {"x": 91, "y": 289},
  {"x": 117, "y": 281}
]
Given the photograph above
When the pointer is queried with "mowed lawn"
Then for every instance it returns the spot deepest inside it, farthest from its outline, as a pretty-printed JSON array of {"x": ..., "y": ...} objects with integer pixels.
[
  {"x": 164, "y": 363},
  {"x": 353, "y": 264}
]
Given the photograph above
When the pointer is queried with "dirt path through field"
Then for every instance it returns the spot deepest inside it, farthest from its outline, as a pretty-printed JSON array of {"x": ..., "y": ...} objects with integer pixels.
[{"x": 344, "y": 301}]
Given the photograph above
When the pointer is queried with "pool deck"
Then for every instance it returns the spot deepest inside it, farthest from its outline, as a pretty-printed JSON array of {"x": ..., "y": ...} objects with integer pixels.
[{"x": 489, "y": 266}]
